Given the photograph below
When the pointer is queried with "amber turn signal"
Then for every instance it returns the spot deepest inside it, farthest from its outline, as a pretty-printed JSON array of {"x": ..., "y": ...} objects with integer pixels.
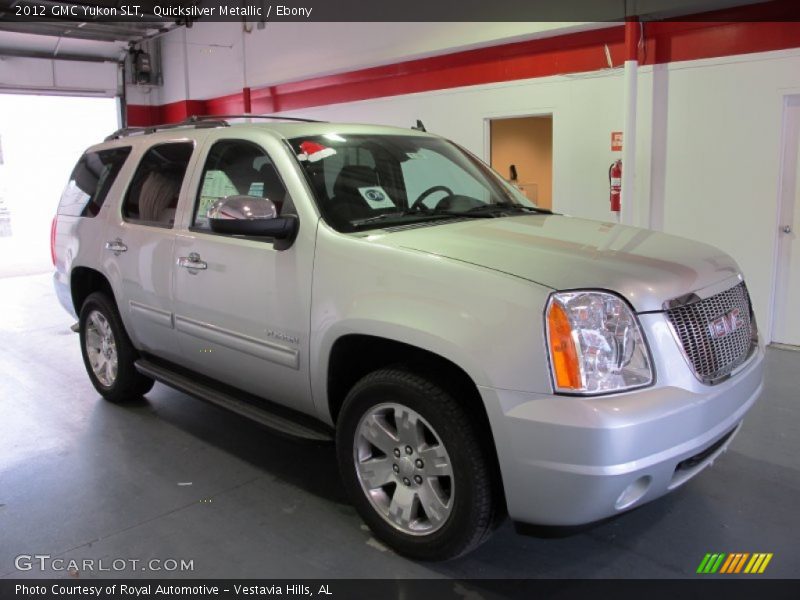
[{"x": 564, "y": 356}]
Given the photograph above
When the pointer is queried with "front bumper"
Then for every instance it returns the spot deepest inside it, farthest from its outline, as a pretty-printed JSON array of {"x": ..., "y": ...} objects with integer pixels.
[{"x": 574, "y": 460}]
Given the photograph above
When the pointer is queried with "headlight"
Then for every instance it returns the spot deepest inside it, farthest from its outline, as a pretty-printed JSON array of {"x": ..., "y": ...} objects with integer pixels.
[{"x": 595, "y": 343}]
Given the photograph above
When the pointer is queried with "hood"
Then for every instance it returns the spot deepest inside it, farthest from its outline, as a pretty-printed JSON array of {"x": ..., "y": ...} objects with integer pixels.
[{"x": 646, "y": 267}]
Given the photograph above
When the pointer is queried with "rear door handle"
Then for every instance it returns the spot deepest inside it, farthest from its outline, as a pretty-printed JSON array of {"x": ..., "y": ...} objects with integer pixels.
[
  {"x": 116, "y": 246},
  {"x": 192, "y": 262}
]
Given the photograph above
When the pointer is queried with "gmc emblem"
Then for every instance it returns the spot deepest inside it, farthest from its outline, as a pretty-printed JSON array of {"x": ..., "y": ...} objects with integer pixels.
[{"x": 726, "y": 324}]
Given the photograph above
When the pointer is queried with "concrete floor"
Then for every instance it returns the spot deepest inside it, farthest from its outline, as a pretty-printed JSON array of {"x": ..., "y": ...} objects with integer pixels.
[{"x": 81, "y": 478}]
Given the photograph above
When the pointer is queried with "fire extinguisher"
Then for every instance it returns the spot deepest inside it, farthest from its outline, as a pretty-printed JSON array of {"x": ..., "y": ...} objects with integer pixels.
[{"x": 615, "y": 184}]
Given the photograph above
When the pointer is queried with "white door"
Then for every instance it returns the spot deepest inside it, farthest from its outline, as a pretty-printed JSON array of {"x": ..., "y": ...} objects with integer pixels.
[{"x": 786, "y": 328}]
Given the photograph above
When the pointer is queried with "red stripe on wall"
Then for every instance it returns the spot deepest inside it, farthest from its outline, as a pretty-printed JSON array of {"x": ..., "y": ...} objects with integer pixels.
[
  {"x": 143, "y": 115},
  {"x": 571, "y": 53},
  {"x": 178, "y": 111},
  {"x": 671, "y": 42},
  {"x": 140, "y": 115},
  {"x": 232, "y": 104}
]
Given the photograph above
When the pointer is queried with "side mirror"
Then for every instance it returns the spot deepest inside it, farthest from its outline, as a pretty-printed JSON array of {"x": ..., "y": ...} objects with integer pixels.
[{"x": 249, "y": 215}]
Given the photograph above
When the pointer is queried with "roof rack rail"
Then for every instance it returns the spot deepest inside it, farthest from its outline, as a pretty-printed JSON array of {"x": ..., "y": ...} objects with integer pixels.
[
  {"x": 192, "y": 121},
  {"x": 199, "y": 121},
  {"x": 275, "y": 117}
]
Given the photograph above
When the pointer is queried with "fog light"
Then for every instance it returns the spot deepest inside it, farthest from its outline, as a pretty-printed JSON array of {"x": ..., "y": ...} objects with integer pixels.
[{"x": 634, "y": 492}]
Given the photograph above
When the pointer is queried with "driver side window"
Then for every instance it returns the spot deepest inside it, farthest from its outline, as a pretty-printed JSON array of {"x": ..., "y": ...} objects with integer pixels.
[{"x": 237, "y": 168}]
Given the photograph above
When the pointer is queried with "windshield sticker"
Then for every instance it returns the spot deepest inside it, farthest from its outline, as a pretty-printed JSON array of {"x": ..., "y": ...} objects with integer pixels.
[
  {"x": 312, "y": 151},
  {"x": 376, "y": 197},
  {"x": 256, "y": 189}
]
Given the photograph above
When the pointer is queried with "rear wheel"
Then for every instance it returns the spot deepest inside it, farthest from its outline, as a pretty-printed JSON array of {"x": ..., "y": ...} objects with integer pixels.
[
  {"x": 108, "y": 353},
  {"x": 413, "y": 466}
]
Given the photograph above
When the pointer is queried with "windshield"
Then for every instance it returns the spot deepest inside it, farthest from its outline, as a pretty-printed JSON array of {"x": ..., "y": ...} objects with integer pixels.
[{"x": 368, "y": 181}]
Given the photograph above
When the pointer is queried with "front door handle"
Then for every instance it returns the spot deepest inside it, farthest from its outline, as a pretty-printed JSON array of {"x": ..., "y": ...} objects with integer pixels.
[
  {"x": 192, "y": 262},
  {"x": 116, "y": 246},
  {"x": 787, "y": 229}
]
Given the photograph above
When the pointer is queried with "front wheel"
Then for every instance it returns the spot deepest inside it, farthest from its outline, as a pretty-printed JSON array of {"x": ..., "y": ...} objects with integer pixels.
[
  {"x": 108, "y": 353},
  {"x": 413, "y": 466}
]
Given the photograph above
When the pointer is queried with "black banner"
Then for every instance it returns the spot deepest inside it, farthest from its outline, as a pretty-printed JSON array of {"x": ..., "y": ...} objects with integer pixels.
[
  {"x": 183, "y": 11},
  {"x": 731, "y": 588}
]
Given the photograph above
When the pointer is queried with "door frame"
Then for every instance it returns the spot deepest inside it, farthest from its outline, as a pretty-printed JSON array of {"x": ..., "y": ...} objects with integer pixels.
[
  {"x": 783, "y": 208},
  {"x": 548, "y": 111},
  {"x": 545, "y": 111}
]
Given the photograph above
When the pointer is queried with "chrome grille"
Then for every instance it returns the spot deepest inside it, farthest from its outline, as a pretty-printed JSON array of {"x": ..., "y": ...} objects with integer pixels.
[{"x": 714, "y": 357}]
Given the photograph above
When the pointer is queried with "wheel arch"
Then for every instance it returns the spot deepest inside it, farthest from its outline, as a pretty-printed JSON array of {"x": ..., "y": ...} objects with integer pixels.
[
  {"x": 352, "y": 356},
  {"x": 85, "y": 281}
]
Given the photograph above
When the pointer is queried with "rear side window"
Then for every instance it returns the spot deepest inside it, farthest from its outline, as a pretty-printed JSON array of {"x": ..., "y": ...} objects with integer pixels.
[
  {"x": 152, "y": 197},
  {"x": 90, "y": 181}
]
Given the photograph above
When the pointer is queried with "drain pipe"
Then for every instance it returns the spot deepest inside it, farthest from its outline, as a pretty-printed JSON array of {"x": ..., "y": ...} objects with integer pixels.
[{"x": 628, "y": 200}]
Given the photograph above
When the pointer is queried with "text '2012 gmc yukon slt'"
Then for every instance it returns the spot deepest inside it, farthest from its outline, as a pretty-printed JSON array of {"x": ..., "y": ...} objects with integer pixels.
[{"x": 471, "y": 354}]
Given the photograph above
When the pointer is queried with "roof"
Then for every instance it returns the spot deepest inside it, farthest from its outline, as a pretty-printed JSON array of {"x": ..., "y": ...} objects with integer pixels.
[
  {"x": 290, "y": 130},
  {"x": 287, "y": 129}
]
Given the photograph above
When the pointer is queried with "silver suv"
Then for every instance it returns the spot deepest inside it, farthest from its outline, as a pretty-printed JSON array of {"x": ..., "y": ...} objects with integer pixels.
[{"x": 471, "y": 354}]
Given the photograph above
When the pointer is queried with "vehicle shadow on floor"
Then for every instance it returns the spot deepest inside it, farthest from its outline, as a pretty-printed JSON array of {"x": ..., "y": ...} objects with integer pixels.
[{"x": 286, "y": 458}]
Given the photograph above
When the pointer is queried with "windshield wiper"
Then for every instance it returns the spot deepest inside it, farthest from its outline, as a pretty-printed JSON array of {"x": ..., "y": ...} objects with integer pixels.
[
  {"x": 424, "y": 214},
  {"x": 486, "y": 211},
  {"x": 501, "y": 208}
]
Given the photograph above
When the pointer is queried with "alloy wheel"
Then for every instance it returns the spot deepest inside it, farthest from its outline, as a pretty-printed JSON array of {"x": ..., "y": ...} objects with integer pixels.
[
  {"x": 404, "y": 469},
  {"x": 101, "y": 348}
]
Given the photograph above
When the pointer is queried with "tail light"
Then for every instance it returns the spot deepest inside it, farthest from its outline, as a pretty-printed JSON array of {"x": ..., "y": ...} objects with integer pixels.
[{"x": 53, "y": 226}]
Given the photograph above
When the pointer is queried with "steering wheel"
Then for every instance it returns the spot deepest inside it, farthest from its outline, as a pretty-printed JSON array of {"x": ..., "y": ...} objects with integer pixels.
[{"x": 428, "y": 192}]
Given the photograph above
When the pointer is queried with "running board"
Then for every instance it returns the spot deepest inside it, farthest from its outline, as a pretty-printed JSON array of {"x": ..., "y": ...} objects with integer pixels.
[{"x": 274, "y": 417}]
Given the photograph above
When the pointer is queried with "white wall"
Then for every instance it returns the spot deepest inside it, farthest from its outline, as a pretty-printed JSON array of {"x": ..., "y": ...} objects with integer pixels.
[
  {"x": 721, "y": 147},
  {"x": 216, "y": 59},
  {"x": 711, "y": 167}
]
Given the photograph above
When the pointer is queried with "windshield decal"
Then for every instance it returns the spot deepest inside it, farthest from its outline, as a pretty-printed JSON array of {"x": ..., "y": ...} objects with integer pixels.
[
  {"x": 312, "y": 151},
  {"x": 376, "y": 197}
]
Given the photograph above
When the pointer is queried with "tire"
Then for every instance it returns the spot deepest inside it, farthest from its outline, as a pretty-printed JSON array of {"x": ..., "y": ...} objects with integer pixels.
[
  {"x": 371, "y": 431},
  {"x": 105, "y": 342}
]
